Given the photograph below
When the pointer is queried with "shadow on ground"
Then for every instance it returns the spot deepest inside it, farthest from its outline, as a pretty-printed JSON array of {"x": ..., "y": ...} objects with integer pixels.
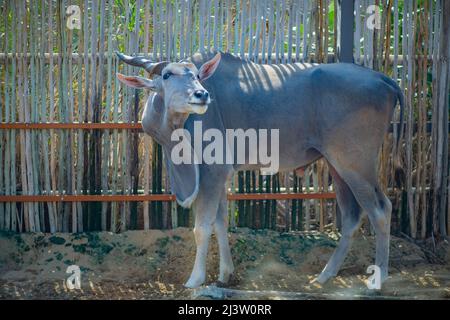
[{"x": 154, "y": 264}]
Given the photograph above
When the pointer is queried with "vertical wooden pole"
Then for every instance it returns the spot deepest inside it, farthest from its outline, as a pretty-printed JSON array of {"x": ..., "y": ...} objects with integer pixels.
[
  {"x": 2, "y": 134},
  {"x": 442, "y": 81},
  {"x": 146, "y": 138},
  {"x": 5, "y": 167},
  {"x": 305, "y": 30},
  {"x": 107, "y": 116},
  {"x": 410, "y": 9},
  {"x": 345, "y": 20}
]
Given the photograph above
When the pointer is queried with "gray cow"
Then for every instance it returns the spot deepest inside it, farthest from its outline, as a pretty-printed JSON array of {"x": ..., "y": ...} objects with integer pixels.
[{"x": 339, "y": 112}]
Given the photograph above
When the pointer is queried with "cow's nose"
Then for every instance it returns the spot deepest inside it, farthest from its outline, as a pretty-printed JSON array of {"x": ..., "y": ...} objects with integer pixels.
[{"x": 201, "y": 94}]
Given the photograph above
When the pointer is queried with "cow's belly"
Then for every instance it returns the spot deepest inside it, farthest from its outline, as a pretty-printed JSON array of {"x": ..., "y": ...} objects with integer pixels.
[{"x": 287, "y": 161}]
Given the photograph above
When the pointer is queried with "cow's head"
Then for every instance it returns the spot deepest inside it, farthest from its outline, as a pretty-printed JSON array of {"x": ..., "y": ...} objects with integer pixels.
[
  {"x": 177, "y": 83},
  {"x": 179, "y": 93}
]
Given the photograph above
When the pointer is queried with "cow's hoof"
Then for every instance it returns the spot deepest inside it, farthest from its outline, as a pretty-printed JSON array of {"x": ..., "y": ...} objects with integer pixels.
[
  {"x": 323, "y": 278},
  {"x": 193, "y": 283},
  {"x": 225, "y": 276}
]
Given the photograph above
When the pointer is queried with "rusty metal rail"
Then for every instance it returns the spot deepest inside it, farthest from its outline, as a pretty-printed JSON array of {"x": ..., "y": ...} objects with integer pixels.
[
  {"x": 117, "y": 125},
  {"x": 280, "y": 196},
  {"x": 129, "y": 198},
  {"x": 73, "y": 125},
  {"x": 159, "y": 197}
]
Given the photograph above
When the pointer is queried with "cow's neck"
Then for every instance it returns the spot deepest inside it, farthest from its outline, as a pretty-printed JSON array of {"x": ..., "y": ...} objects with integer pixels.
[
  {"x": 175, "y": 120},
  {"x": 171, "y": 121}
]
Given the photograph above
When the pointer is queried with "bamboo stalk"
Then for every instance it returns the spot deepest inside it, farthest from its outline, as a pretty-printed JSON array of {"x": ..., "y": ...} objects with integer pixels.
[
  {"x": 421, "y": 134},
  {"x": 250, "y": 28},
  {"x": 79, "y": 133},
  {"x": 243, "y": 32},
  {"x": 115, "y": 150},
  {"x": 282, "y": 30},
  {"x": 201, "y": 27},
  {"x": 264, "y": 5},
  {"x": 2, "y": 134},
  {"x": 86, "y": 113},
  {"x": 229, "y": 28},
  {"x": 319, "y": 30},
  {"x": 3, "y": 140},
  {"x": 126, "y": 112},
  {"x": 43, "y": 114},
  {"x": 320, "y": 187},
  {"x": 257, "y": 31},
  {"x": 287, "y": 217},
  {"x": 33, "y": 222},
  {"x": 182, "y": 30},
  {"x": 107, "y": 116},
  {"x": 22, "y": 112},
  {"x": 290, "y": 25},
  {"x": 71, "y": 158},
  {"x": 443, "y": 71},
  {"x": 326, "y": 31},
  {"x": 296, "y": 8},
  {"x": 147, "y": 140},
  {"x": 208, "y": 26},
  {"x": 305, "y": 30},
  {"x": 14, "y": 213},
  {"x": 220, "y": 25},
  {"x": 98, "y": 137},
  {"x": 33, "y": 12},
  {"x": 308, "y": 173},
  {"x": 63, "y": 108},
  {"x": 357, "y": 33},
  {"x": 232, "y": 206},
  {"x": 294, "y": 206},
  {"x": 169, "y": 25},
  {"x": 278, "y": 28},
  {"x": 409, "y": 138},
  {"x": 270, "y": 37},
  {"x": 8, "y": 141}
]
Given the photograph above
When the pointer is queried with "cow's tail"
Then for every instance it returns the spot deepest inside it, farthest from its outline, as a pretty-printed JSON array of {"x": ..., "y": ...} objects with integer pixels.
[{"x": 399, "y": 172}]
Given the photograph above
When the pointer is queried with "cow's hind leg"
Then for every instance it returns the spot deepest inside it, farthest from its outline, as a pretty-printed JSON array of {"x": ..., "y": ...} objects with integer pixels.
[
  {"x": 380, "y": 218},
  {"x": 226, "y": 267},
  {"x": 351, "y": 214},
  {"x": 375, "y": 203},
  {"x": 378, "y": 208}
]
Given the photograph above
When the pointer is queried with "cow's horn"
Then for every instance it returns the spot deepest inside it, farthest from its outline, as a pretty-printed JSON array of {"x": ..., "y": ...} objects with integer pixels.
[{"x": 140, "y": 61}]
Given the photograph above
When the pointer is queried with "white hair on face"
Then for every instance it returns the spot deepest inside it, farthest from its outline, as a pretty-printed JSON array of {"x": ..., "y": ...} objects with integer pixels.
[{"x": 180, "y": 68}]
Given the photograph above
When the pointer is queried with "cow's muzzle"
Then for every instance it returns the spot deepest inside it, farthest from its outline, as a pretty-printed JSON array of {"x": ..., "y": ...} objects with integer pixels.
[{"x": 199, "y": 101}]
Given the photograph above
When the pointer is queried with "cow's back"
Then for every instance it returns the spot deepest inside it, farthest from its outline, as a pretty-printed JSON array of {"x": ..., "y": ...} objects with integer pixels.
[{"x": 305, "y": 103}]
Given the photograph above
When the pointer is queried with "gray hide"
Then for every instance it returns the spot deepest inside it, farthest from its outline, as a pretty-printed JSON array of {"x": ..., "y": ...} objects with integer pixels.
[{"x": 339, "y": 112}]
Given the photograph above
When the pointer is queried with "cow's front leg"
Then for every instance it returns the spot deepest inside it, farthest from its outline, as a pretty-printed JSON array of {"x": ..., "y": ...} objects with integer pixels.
[
  {"x": 226, "y": 266},
  {"x": 205, "y": 215}
]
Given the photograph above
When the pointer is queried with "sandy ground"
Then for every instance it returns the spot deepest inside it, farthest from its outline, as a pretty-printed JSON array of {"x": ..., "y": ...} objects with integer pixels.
[{"x": 154, "y": 265}]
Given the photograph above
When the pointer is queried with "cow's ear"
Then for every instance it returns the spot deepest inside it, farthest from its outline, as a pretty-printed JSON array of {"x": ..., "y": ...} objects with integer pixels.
[
  {"x": 209, "y": 67},
  {"x": 137, "y": 82}
]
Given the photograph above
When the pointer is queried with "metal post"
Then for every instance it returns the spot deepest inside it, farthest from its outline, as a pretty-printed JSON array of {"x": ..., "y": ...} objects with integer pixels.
[{"x": 345, "y": 21}]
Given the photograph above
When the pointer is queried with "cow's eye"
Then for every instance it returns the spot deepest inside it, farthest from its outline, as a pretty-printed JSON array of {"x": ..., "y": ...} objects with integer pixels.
[{"x": 167, "y": 75}]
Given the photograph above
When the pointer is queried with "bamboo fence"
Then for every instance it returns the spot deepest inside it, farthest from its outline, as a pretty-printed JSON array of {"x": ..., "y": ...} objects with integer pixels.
[{"x": 73, "y": 157}]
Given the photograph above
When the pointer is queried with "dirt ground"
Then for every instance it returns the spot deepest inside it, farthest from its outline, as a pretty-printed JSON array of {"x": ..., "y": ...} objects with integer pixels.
[{"x": 154, "y": 265}]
